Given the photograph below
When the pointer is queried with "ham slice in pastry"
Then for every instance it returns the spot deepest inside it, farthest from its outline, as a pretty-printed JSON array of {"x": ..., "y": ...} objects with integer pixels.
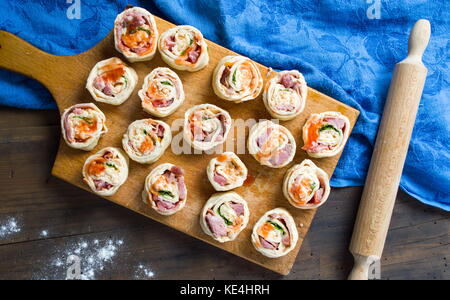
[
  {"x": 285, "y": 95},
  {"x": 184, "y": 48},
  {"x": 82, "y": 126},
  {"x": 271, "y": 144},
  {"x": 224, "y": 216},
  {"x": 146, "y": 140},
  {"x": 325, "y": 134},
  {"x": 206, "y": 126},
  {"x": 226, "y": 172},
  {"x": 162, "y": 92},
  {"x": 111, "y": 81},
  {"x": 106, "y": 171},
  {"x": 237, "y": 79},
  {"x": 275, "y": 234},
  {"x": 165, "y": 190},
  {"x": 306, "y": 186},
  {"x": 136, "y": 34}
]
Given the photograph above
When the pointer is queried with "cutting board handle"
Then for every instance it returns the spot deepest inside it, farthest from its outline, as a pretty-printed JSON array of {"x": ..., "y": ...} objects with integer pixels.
[{"x": 19, "y": 56}]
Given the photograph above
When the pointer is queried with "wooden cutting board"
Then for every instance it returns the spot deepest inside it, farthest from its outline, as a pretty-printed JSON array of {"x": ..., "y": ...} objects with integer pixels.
[{"x": 65, "y": 77}]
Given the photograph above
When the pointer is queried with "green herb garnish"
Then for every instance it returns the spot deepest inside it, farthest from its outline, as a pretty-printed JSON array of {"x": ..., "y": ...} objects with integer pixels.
[
  {"x": 166, "y": 82},
  {"x": 111, "y": 165},
  {"x": 234, "y": 76},
  {"x": 126, "y": 80},
  {"x": 184, "y": 51},
  {"x": 228, "y": 222},
  {"x": 328, "y": 126},
  {"x": 145, "y": 131},
  {"x": 278, "y": 227},
  {"x": 84, "y": 119},
  {"x": 312, "y": 186},
  {"x": 187, "y": 48},
  {"x": 166, "y": 193},
  {"x": 141, "y": 29}
]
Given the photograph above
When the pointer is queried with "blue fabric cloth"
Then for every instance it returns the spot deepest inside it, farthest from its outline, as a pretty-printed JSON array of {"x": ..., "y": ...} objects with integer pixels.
[{"x": 341, "y": 51}]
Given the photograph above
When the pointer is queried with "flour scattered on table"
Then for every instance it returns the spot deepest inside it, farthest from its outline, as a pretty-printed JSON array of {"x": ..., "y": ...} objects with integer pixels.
[
  {"x": 143, "y": 272},
  {"x": 96, "y": 256},
  {"x": 8, "y": 228},
  {"x": 83, "y": 260},
  {"x": 44, "y": 233}
]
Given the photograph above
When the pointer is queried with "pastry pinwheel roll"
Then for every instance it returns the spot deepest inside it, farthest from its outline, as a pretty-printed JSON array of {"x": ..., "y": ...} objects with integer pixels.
[
  {"x": 146, "y": 140},
  {"x": 306, "y": 186},
  {"x": 106, "y": 171},
  {"x": 325, "y": 134},
  {"x": 162, "y": 92},
  {"x": 206, "y": 126},
  {"x": 82, "y": 126},
  {"x": 184, "y": 48},
  {"x": 165, "y": 190},
  {"x": 226, "y": 172},
  {"x": 237, "y": 79},
  {"x": 271, "y": 144},
  {"x": 111, "y": 81},
  {"x": 135, "y": 34},
  {"x": 224, "y": 216},
  {"x": 275, "y": 234},
  {"x": 285, "y": 95}
]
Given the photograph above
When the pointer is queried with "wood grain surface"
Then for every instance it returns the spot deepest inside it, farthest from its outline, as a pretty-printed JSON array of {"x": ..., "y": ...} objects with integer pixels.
[
  {"x": 417, "y": 247},
  {"x": 65, "y": 78}
]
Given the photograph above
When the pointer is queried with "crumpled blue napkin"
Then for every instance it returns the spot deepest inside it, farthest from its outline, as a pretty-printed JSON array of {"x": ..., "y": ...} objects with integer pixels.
[{"x": 346, "y": 49}]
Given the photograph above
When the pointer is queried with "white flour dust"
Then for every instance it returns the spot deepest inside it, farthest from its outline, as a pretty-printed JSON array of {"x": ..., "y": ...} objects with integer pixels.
[
  {"x": 8, "y": 228},
  {"x": 143, "y": 273},
  {"x": 87, "y": 259},
  {"x": 95, "y": 256},
  {"x": 92, "y": 258}
]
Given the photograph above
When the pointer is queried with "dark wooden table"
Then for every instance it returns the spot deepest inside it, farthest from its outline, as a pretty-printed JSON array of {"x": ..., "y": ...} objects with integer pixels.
[{"x": 44, "y": 220}]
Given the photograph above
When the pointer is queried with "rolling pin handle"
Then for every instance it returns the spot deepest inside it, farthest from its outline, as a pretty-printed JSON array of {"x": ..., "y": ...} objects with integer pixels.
[
  {"x": 418, "y": 40},
  {"x": 361, "y": 267}
]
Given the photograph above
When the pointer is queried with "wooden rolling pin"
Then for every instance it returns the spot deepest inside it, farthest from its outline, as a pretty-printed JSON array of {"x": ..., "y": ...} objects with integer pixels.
[{"x": 391, "y": 147}]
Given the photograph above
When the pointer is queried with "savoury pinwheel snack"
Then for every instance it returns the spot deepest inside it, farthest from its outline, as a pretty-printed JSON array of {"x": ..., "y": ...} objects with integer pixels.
[
  {"x": 271, "y": 144},
  {"x": 106, "y": 171},
  {"x": 82, "y": 126},
  {"x": 111, "y": 81},
  {"x": 226, "y": 172},
  {"x": 146, "y": 140},
  {"x": 184, "y": 48},
  {"x": 224, "y": 216},
  {"x": 165, "y": 190},
  {"x": 275, "y": 234},
  {"x": 285, "y": 95},
  {"x": 325, "y": 134},
  {"x": 136, "y": 34},
  {"x": 306, "y": 186},
  {"x": 162, "y": 92},
  {"x": 237, "y": 79},
  {"x": 206, "y": 126}
]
